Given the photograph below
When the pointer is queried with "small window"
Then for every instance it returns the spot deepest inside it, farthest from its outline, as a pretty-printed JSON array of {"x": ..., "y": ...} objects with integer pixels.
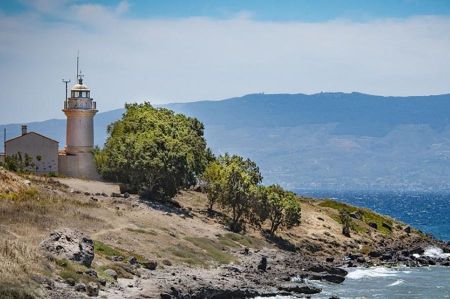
[{"x": 79, "y": 93}]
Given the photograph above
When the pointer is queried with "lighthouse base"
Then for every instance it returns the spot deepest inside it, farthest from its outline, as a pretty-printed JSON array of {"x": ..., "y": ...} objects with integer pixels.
[{"x": 80, "y": 165}]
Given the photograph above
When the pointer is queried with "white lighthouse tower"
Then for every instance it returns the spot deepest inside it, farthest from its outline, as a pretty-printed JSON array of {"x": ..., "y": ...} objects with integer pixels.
[{"x": 80, "y": 109}]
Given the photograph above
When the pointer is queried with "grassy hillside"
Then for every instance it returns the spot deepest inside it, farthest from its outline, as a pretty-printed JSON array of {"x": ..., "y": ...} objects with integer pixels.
[{"x": 173, "y": 236}]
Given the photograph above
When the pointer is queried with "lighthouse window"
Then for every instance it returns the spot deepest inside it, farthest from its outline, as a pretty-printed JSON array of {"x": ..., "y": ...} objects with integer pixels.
[{"x": 79, "y": 93}]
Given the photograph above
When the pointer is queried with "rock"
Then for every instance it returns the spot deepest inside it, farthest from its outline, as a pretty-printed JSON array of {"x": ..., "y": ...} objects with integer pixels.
[
  {"x": 92, "y": 289},
  {"x": 150, "y": 265},
  {"x": 361, "y": 260},
  {"x": 114, "y": 194},
  {"x": 80, "y": 287},
  {"x": 132, "y": 260},
  {"x": 116, "y": 258},
  {"x": 320, "y": 218},
  {"x": 373, "y": 225},
  {"x": 346, "y": 231},
  {"x": 356, "y": 215},
  {"x": 104, "y": 194},
  {"x": 387, "y": 226},
  {"x": 70, "y": 281},
  {"x": 386, "y": 257},
  {"x": 299, "y": 288},
  {"x": 87, "y": 193},
  {"x": 126, "y": 195},
  {"x": 375, "y": 253},
  {"x": 70, "y": 244},
  {"x": 111, "y": 273},
  {"x": 333, "y": 278},
  {"x": 318, "y": 268},
  {"x": 353, "y": 257},
  {"x": 416, "y": 250},
  {"x": 407, "y": 229},
  {"x": 166, "y": 296},
  {"x": 102, "y": 281},
  {"x": 91, "y": 272},
  {"x": 329, "y": 259},
  {"x": 262, "y": 264}
]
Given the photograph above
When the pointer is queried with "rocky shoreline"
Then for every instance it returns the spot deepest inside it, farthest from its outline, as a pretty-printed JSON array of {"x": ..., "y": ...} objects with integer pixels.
[{"x": 259, "y": 273}]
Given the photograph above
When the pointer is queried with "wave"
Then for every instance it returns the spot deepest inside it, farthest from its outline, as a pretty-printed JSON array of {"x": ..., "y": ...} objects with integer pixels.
[
  {"x": 435, "y": 252},
  {"x": 396, "y": 283},
  {"x": 372, "y": 272}
]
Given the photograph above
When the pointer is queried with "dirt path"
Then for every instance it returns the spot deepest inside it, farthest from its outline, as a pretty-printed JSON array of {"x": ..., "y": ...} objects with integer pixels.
[{"x": 90, "y": 186}]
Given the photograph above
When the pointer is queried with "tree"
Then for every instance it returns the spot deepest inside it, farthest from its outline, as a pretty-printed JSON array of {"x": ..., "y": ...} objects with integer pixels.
[
  {"x": 154, "y": 151},
  {"x": 279, "y": 207},
  {"x": 346, "y": 221},
  {"x": 213, "y": 178},
  {"x": 232, "y": 181}
]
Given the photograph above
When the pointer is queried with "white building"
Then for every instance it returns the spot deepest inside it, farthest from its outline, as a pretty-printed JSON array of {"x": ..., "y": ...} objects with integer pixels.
[{"x": 42, "y": 151}]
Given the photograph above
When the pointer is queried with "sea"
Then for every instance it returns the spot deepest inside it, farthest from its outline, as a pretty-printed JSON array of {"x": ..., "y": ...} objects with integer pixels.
[{"x": 428, "y": 211}]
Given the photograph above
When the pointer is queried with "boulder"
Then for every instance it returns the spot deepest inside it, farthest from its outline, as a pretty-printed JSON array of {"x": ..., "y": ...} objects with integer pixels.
[
  {"x": 91, "y": 272},
  {"x": 92, "y": 289},
  {"x": 375, "y": 253},
  {"x": 70, "y": 244},
  {"x": 132, "y": 260},
  {"x": 80, "y": 287},
  {"x": 150, "y": 265},
  {"x": 262, "y": 264},
  {"x": 111, "y": 273},
  {"x": 407, "y": 229},
  {"x": 299, "y": 288},
  {"x": 373, "y": 225},
  {"x": 356, "y": 215}
]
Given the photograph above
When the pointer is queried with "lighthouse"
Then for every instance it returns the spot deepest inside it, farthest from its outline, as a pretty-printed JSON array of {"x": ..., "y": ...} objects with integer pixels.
[{"x": 77, "y": 159}]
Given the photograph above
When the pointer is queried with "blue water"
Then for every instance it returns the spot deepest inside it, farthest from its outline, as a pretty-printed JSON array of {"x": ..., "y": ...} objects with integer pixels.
[
  {"x": 384, "y": 283},
  {"x": 427, "y": 211}
]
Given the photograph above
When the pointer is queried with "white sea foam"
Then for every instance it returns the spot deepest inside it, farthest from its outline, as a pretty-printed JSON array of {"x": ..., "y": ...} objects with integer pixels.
[
  {"x": 435, "y": 252},
  {"x": 371, "y": 272},
  {"x": 396, "y": 283}
]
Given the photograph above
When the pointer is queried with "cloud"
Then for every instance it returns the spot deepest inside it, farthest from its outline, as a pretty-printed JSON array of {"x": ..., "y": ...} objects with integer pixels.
[{"x": 166, "y": 60}]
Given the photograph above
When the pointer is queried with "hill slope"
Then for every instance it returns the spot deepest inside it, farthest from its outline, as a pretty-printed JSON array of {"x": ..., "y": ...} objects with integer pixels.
[{"x": 324, "y": 141}]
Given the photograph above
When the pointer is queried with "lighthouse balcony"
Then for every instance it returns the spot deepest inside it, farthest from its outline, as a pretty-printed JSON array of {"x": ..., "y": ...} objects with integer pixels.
[{"x": 83, "y": 104}]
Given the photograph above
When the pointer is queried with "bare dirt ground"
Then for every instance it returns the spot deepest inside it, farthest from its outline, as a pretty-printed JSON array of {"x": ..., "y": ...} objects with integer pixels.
[{"x": 90, "y": 186}]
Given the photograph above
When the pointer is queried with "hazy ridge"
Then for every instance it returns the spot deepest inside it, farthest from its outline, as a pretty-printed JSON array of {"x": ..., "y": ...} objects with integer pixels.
[{"x": 320, "y": 141}]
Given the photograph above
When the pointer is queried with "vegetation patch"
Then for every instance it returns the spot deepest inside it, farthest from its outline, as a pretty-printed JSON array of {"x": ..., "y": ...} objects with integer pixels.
[
  {"x": 212, "y": 249},
  {"x": 142, "y": 231},
  {"x": 240, "y": 240},
  {"x": 188, "y": 255},
  {"x": 108, "y": 251},
  {"x": 13, "y": 292},
  {"x": 367, "y": 216}
]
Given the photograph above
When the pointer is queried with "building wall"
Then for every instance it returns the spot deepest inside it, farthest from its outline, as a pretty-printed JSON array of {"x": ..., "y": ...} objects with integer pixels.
[
  {"x": 35, "y": 145},
  {"x": 81, "y": 165},
  {"x": 80, "y": 130}
]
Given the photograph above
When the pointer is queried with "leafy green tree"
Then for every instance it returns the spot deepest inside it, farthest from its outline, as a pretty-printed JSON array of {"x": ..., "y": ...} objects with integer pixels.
[
  {"x": 232, "y": 182},
  {"x": 214, "y": 180},
  {"x": 279, "y": 207},
  {"x": 153, "y": 151}
]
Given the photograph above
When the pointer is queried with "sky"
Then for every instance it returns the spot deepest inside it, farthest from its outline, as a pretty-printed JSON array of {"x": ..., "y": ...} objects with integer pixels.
[{"x": 176, "y": 50}]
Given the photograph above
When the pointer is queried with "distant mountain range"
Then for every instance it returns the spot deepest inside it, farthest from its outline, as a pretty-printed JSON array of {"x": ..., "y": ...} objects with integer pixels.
[{"x": 320, "y": 141}]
